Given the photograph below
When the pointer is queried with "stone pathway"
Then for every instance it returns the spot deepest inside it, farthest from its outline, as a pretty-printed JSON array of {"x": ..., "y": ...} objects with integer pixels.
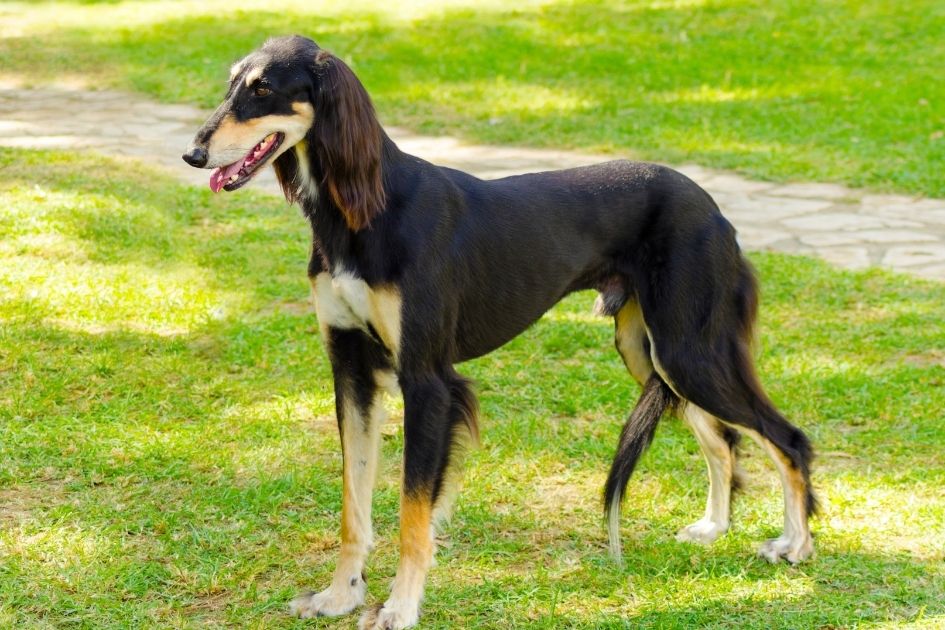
[{"x": 847, "y": 227}]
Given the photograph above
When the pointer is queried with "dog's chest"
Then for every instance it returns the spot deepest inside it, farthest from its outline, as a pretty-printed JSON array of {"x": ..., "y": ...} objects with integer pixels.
[{"x": 344, "y": 301}]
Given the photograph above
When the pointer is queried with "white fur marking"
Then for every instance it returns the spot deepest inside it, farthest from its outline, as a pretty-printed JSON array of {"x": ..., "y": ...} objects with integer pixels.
[
  {"x": 393, "y": 615},
  {"x": 332, "y": 308},
  {"x": 613, "y": 530},
  {"x": 253, "y": 74},
  {"x": 342, "y": 300},
  {"x": 718, "y": 458},
  {"x": 306, "y": 183},
  {"x": 361, "y": 448},
  {"x": 236, "y": 68}
]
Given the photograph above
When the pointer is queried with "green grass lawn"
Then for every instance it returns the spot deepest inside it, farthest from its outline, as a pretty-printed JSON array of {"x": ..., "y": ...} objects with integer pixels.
[
  {"x": 169, "y": 458},
  {"x": 838, "y": 90}
]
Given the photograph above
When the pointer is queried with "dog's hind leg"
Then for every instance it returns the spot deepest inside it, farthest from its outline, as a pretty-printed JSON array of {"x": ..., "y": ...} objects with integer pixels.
[
  {"x": 720, "y": 461},
  {"x": 361, "y": 374},
  {"x": 716, "y": 440},
  {"x": 728, "y": 390},
  {"x": 439, "y": 417},
  {"x": 707, "y": 361}
]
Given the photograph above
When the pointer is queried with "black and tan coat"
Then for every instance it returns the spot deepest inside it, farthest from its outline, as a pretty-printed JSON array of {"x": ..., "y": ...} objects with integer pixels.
[{"x": 416, "y": 268}]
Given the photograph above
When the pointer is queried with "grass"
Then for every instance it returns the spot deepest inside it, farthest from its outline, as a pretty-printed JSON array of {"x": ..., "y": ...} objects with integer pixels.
[
  {"x": 833, "y": 90},
  {"x": 168, "y": 454}
]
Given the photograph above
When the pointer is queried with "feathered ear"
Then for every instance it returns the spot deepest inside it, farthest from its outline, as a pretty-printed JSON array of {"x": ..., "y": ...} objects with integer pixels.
[{"x": 348, "y": 142}]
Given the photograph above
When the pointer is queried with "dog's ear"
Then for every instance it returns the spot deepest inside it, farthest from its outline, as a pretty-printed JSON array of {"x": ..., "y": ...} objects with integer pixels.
[{"x": 348, "y": 141}]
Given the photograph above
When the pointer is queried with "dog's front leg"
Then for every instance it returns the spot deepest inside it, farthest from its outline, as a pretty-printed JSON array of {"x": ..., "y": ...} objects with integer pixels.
[
  {"x": 427, "y": 444},
  {"x": 360, "y": 377}
]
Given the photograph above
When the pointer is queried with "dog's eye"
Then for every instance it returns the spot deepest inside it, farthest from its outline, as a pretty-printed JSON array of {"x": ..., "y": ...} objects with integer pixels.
[{"x": 262, "y": 91}]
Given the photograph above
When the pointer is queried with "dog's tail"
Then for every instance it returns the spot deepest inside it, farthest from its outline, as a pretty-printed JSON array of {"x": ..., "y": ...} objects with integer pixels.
[{"x": 636, "y": 436}]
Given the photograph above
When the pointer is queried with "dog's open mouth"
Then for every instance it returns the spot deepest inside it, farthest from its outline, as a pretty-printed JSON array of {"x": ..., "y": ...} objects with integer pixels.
[{"x": 235, "y": 175}]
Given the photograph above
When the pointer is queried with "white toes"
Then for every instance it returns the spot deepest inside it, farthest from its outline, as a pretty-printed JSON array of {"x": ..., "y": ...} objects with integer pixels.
[
  {"x": 333, "y": 601},
  {"x": 793, "y": 549},
  {"x": 771, "y": 550},
  {"x": 390, "y": 616},
  {"x": 703, "y": 532}
]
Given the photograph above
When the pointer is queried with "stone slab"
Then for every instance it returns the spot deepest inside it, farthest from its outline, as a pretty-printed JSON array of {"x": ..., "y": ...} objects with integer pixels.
[
  {"x": 831, "y": 221},
  {"x": 847, "y": 227}
]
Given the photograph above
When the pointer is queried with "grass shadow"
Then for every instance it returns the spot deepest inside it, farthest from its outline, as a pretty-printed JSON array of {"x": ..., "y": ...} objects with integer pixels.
[
  {"x": 162, "y": 463},
  {"x": 730, "y": 84}
]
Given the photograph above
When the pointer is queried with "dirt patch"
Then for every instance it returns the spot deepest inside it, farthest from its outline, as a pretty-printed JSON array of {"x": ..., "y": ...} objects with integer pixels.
[
  {"x": 928, "y": 358},
  {"x": 26, "y": 501}
]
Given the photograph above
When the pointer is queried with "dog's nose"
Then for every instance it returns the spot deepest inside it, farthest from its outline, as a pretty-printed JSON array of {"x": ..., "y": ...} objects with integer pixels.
[{"x": 196, "y": 156}]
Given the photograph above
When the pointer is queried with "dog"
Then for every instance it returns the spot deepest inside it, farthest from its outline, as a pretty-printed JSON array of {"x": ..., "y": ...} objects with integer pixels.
[{"x": 417, "y": 267}]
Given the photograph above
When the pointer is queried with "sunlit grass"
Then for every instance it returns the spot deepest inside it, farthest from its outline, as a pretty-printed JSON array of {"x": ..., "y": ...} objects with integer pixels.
[
  {"x": 824, "y": 90},
  {"x": 169, "y": 456}
]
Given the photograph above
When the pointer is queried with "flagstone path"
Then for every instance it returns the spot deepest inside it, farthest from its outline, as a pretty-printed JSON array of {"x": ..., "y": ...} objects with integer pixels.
[{"x": 847, "y": 227}]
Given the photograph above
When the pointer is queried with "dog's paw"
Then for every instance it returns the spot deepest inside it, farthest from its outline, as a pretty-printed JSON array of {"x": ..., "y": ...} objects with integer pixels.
[
  {"x": 389, "y": 616},
  {"x": 703, "y": 532},
  {"x": 793, "y": 549},
  {"x": 331, "y": 602}
]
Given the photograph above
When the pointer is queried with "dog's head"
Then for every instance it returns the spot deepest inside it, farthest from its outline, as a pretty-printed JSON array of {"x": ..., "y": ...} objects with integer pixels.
[{"x": 290, "y": 94}]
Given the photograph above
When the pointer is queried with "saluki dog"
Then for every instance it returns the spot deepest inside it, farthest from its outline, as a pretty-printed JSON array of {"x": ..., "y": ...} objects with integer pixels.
[{"x": 417, "y": 267}]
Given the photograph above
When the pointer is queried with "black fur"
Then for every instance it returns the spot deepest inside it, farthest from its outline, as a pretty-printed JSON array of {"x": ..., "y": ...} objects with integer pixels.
[
  {"x": 733, "y": 438},
  {"x": 477, "y": 262},
  {"x": 354, "y": 359},
  {"x": 657, "y": 398}
]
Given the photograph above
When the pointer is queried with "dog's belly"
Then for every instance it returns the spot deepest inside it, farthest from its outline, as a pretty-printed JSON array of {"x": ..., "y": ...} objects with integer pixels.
[
  {"x": 473, "y": 346},
  {"x": 488, "y": 325},
  {"x": 346, "y": 302}
]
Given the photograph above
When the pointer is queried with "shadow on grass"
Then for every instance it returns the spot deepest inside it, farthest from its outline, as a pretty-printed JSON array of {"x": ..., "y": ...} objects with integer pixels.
[
  {"x": 674, "y": 585},
  {"x": 169, "y": 471}
]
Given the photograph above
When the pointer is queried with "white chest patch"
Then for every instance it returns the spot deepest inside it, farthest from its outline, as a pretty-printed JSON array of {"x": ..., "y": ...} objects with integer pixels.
[{"x": 347, "y": 302}]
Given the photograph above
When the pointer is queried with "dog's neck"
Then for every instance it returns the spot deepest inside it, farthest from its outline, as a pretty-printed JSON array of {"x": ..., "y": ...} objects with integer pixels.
[{"x": 302, "y": 178}]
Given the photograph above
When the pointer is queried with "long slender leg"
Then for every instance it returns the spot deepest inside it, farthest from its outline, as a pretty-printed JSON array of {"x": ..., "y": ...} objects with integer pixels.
[
  {"x": 464, "y": 435},
  {"x": 795, "y": 543},
  {"x": 720, "y": 463},
  {"x": 433, "y": 413},
  {"x": 728, "y": 388},
  {"x": 633, "y": 344},
  {"x": 360, "y": 374}
]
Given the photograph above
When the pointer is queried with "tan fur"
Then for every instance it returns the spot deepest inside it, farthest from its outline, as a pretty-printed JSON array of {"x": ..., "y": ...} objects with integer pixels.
[
  {"x": 416, "y": 548},
  {"x": 253, "y": 75},
  {"x": 236, "y": 68},
  {"x": 361, "y": 446},
  {"x": 385, "y": 306},
  {"x": 629, "y": 332},
  {"x": 360, "y": 451},
  {"x": 415, "y": 543},
  {"x": 463, "y": 439},
  {"x": 233, "y": 139},
  {"x": 306, "y": 183},
  {"x": 795, "y": 543},
  {"x": 402, "y": 608}
]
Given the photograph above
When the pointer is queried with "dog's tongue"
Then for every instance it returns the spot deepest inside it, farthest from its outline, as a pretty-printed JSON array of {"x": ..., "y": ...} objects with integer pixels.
[{"x": 221, "y": 175}]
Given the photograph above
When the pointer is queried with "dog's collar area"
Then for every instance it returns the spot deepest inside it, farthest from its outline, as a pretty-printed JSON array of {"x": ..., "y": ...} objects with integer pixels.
[{"x": 235, "y": 175}]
